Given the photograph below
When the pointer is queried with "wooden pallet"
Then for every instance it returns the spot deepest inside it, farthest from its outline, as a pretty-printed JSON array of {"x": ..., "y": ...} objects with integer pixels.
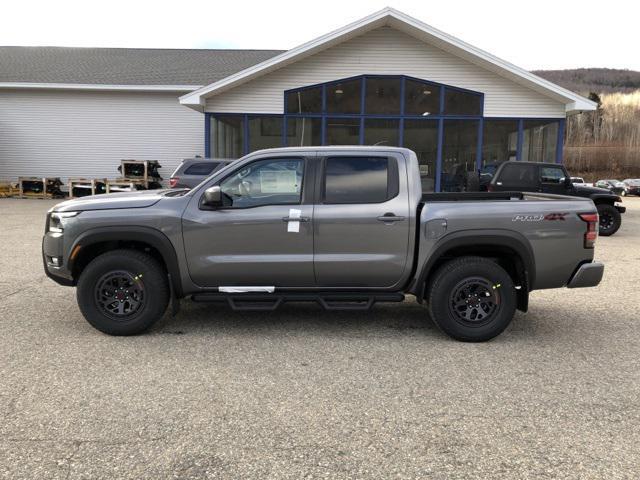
[
  {"x": 45, "y": 194},
  {"x": 124, "y": 183},
  {"x": 8, "y": 189},
  {"x": 89, "y": 183}
]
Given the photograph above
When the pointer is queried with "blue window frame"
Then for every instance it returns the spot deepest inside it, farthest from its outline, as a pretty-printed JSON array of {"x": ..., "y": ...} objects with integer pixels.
[{"x": 306, "y": 123}]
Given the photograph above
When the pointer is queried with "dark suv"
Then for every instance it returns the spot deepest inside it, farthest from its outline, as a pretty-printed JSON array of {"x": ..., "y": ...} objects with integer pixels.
[
  {"x": 192, "y": 171},
  {"x": 552, "y": 178}
]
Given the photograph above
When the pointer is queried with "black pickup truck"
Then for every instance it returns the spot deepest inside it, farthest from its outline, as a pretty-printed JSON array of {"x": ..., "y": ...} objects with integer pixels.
[{"x": 552, "y": 178}]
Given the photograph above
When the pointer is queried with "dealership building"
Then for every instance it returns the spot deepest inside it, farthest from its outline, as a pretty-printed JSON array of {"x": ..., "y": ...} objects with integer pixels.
[{"x": 387, "y": 79}]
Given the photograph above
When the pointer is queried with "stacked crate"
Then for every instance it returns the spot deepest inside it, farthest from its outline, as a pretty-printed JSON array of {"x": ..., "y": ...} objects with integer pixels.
[
  {"x": 39, "y": 187},
  {"x": 136, "y": 175}
]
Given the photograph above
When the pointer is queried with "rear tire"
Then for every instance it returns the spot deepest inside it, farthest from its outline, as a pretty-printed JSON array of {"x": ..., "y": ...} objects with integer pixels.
[
  {"x": 123, "y": 292},
  {"x": 471, "y": 299},
  {"x": 610, "y": 219}
]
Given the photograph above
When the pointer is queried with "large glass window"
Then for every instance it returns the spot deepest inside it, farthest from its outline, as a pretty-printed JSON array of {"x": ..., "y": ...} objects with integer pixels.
[
  {"x": 356, "y": 180},
  {"x": 381, "y": 131},
  {"x": 227, "y": 136},
  {"x": 458, "y": 102},
  {"x": 382, "y": 96},
  {"x": 344, "y": 97},
  {"x": 343, "y": 131},
  {"x": 421, "y": 136},
  {"x": 539, "y": 140},
  {"x": 308, "y": 100},
  {"x": 304, "y": 132},
  {"x": 265, "y": 132},
  {"x": 459, "y": 153},
  {"x": 499, "y": 141},
  {"x": 265, "y": 182},
  {"x": 421, "y": 98}
]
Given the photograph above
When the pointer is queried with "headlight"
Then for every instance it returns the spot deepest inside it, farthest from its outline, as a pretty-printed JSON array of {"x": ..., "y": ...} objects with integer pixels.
[{"x": 58, "y": 219}]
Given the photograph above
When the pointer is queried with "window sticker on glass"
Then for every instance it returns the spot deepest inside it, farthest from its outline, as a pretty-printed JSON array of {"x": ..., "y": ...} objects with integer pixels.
[{"x": 284, "y": 181}]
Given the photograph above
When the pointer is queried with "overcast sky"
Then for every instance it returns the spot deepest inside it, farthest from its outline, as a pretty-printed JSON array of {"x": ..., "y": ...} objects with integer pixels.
[{"x": 536, "y": 34}]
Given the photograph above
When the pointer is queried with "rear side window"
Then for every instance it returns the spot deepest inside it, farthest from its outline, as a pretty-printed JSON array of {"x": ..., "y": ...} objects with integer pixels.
[
  {"x": 518, "y": 175},
  {"x": 551, "y": 175},
  {"x": 360, "y": 180},
  {"x": 201, "y": 168}
]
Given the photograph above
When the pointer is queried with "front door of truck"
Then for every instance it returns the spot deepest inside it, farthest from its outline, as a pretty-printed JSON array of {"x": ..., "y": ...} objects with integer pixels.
[
  {"x": 262, "y": 235},
  {"x": 362, "y": 221}
]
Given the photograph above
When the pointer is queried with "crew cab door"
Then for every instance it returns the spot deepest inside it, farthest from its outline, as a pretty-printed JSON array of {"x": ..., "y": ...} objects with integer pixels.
[
  {"x": 262, "y": 235},
  {"x": 552, "y": 179},
  {"x": 361, "y": 220},
  {"x": 516, "y": 176}
]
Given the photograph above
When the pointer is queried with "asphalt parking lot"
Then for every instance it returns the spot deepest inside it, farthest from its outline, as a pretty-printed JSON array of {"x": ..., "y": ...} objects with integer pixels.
[{"x": 302, "y": 393}]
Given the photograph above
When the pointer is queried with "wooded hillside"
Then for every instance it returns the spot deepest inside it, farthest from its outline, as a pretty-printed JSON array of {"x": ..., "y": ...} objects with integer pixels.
[{"x": 604, "y": 143}]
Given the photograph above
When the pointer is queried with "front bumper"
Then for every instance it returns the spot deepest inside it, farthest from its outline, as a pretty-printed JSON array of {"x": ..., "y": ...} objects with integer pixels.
[
  {"x": 52, "y": 246},
  {"x": 587, "y": 275}
]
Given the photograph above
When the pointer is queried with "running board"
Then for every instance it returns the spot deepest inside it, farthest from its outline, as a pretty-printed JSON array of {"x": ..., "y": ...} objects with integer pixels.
[{"x": 271, "y": 301}]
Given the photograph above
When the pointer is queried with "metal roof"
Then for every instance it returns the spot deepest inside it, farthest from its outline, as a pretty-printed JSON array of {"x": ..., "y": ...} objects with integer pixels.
[{"x": 124, "y": 66}]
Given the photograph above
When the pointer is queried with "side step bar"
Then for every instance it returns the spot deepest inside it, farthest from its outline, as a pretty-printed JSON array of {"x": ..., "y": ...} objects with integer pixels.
[{"x": 327, "y": 300}]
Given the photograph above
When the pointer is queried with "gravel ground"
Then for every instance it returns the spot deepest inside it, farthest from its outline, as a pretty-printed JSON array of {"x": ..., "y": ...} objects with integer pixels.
[{"x": 302, "y": 393}]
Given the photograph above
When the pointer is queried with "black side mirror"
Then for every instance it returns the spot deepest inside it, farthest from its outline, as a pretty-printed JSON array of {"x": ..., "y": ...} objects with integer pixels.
[
  {"x": 567, "y": 182},
  {"x": 213, "y": 196}
]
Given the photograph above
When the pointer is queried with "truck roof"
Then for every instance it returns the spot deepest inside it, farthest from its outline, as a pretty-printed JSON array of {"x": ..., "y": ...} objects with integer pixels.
[{"x": 332, "y": 148}]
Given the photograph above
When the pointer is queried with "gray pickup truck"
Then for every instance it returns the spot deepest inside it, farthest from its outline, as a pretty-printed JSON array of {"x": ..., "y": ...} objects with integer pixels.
[{"x": 345, "y": 227}]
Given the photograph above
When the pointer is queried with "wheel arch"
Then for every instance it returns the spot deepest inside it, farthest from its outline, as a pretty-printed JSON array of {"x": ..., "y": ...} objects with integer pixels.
[
  {"x": 511, "y": 251},
  {"x": 96, "y": 241}
]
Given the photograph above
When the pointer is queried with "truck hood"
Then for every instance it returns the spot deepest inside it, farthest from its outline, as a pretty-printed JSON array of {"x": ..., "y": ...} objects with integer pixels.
[
  {"x": 586, "y": 190},
  {"x": 138, "y": 199}
]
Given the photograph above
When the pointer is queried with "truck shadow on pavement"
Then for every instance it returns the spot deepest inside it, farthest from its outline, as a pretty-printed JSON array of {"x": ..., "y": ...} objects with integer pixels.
[{"x": 389, "y": 319}]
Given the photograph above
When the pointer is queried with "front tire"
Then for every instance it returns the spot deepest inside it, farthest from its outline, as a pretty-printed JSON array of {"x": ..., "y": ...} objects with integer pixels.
[
  {"x": 610, "y": 219},
  {"x": 123, "y": 292},
  {"x": 472, "y": 299}
]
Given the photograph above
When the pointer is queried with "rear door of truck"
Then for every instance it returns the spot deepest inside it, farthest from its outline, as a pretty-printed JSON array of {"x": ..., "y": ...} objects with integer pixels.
[
  {"x": 361, "y": 220},
  {"x": 514, "y": 176}
]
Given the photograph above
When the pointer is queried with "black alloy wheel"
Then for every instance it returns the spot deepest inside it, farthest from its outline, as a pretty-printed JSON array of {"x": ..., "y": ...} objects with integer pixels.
[
  {"x": 474, "y": 301},
  {"x": 119, "y": 294}
]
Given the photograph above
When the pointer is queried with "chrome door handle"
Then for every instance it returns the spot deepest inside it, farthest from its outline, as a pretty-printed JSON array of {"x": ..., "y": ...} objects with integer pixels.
[
  {"x": 294, "y": 219},
  {"x": 390, "y": 217}
]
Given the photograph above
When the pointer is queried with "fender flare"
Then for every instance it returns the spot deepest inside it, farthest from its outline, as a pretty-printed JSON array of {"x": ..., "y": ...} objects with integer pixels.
[
  {"x": 474, "y": 238},
  {"x": 607, "y": 198},
  {"x": 150, "y": 236}
]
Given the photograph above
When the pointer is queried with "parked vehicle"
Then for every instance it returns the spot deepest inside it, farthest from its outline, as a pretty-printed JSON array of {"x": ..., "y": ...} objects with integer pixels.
[
  {"x": 579, "y": 180},
  {"x": 192, "y": 171},
  {"x": 614, "y": 186},
  {"x": 345, "y": 227},
  {"x": 552, "y": 178},
  {"x": 632, "y": 186}
]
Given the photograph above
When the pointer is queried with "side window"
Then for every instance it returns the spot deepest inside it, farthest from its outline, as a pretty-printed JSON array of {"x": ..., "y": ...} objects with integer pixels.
[
  {"x": 518, "y": 175},
  {"x": 200, "y": 168},
  {"x": 553, "y": 175},
  {"x": 275, "y": 181},
  {"x": 360, "y": 180}
]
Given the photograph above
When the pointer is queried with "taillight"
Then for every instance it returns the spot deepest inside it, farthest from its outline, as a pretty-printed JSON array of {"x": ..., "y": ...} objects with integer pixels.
[
  {"x": 173, "y": 181},
  {"x": 591, "y": 234}
]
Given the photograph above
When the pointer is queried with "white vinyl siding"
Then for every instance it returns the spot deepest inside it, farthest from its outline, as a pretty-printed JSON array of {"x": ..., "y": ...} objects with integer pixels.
[
  {"x": 386, "y": 51},
  {"x": 86, "y": 134}
]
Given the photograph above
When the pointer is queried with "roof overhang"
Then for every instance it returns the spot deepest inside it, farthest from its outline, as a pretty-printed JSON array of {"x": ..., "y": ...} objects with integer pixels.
[
  {"x": 95, "y": 87},
  {"x": 393, "y": 18}
]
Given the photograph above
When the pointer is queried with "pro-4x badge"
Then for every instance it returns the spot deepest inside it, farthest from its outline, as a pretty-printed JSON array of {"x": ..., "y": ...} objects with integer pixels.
[
  {"x": 539, "y": 217},
  {"x": 527, "y": 218}
]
